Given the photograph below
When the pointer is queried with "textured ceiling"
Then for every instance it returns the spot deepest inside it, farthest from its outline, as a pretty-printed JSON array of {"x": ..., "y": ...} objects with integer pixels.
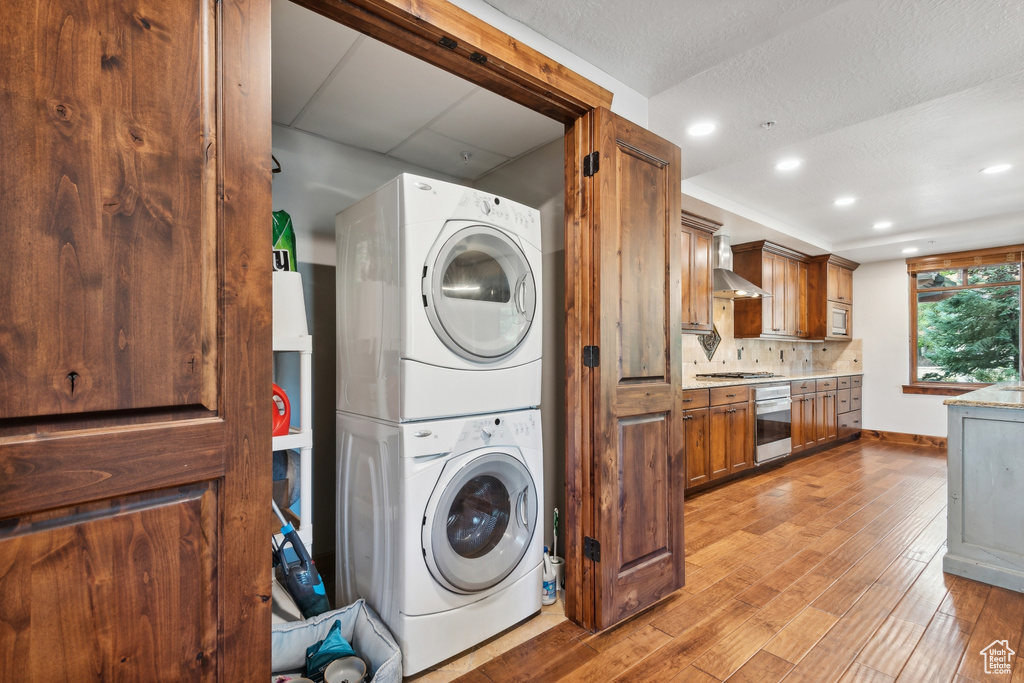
[{"x": 898, "y": 103}]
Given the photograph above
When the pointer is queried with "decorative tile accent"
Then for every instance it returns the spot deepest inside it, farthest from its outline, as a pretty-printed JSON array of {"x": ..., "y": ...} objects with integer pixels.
[{"x": 710, "y": 342}]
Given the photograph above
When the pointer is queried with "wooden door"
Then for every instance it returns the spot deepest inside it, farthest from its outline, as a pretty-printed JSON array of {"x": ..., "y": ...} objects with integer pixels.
[
  {"x": 718, "y": 429},
  {"x": 741, "y": 446},
  {"x": 638, "y": 465},
  {"x": 135, "y": 341},
  {"x": 696, "y": 443}
]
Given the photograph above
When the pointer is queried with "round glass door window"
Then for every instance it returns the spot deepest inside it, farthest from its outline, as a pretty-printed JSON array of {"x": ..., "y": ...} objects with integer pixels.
[
  {"x": 479, "y": 524},
  {"x": 480, "y": 294}
]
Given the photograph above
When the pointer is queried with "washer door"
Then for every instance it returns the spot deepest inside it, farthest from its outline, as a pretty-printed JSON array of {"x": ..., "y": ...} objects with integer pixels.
[
  {"x": 480, "y": 294},
  {"x": 479, "y": 521}
]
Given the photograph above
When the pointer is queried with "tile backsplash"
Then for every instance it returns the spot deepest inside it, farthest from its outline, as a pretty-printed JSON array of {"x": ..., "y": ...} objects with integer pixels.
[{"x": 763, "y": 355}]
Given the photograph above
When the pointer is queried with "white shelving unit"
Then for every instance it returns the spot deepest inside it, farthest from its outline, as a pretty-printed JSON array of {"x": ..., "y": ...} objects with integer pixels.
[{"x": 291, "y": 336}]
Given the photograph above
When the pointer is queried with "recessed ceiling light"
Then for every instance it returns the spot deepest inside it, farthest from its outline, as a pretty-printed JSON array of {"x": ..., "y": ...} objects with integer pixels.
[
  {"x": 882, "y": 225},
  {"x": 788, "y": 164},
  {"x": 909, "y": 250},
  {"x": 998, "y": 168},
  {"x": 844, "y": 201},
  {"x": 702, "y": 128}
]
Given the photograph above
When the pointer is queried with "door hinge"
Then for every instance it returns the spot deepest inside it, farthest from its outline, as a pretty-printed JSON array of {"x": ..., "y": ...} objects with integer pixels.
[
  {"x": 591, "y": 356},
  {"x": 591, "y": 164},
  {"x": 591, "y": 549}
]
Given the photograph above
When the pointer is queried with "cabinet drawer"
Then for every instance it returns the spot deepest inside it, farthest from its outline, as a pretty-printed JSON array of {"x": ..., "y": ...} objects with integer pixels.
[
  {"x": 723, "y": 395},
  {"x": 849, "y": 423},
  {"x": 695, "y": 398},
  {"x": 843, "y": 382},
  {"x": 801, "y": 386},
  {"x": 825, "y": 384},
  {"x": 856, "y": 380},
  {"x": 855, "y": 398},
  {"x": 843, "y": 404}
]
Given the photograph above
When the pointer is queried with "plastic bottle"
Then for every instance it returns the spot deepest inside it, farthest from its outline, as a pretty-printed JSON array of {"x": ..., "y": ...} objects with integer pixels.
[{"x": 548, "y": 587}]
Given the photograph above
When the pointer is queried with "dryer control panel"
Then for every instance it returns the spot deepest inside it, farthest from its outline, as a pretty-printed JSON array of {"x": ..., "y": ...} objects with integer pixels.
[{"x": 453, "y": 436}]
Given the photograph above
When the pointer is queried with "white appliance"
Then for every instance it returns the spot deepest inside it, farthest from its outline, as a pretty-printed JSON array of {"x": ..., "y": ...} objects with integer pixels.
[
  {"x": 438, "y": 527},
  {"x": 439, "y": 302}
]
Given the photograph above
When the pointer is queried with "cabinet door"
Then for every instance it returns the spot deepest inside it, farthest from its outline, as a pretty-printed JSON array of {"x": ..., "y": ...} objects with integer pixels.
[
  {"x": 686, "y": 275},
  {"x": 802, "y": 306},
  {"x": 796, "y": 425},
  {"x": 778, "y": 299},
  {"x": 832, "y": 282},
  {"x": 829, "y": 419},
  {"x": 719, "y": 429},
  {"x": 696, "y": 442},
  {"x": 820, "y": 424},
  {"x": 845, "y": 285},
  {"x": 740, "y": 447},
  {"x": 768, "y": 262},
  {"x": 701, "y": 301},
  {"x": 792, "y": 298}
]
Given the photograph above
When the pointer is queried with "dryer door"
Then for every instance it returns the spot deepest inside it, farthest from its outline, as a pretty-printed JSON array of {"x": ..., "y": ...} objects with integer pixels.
[
  {"x": 480, "y": 294},
  {"x": 479, "y": 521}
]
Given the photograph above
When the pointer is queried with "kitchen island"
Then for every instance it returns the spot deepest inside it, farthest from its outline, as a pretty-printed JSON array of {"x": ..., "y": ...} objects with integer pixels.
[{"x": 985, "y": 518}]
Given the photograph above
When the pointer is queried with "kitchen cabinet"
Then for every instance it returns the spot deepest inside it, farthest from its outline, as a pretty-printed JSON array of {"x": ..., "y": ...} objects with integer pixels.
[
  {"x": 825, "y": 425},
  {"x": 696, "y": 437},
  {"x": 695, "y": 245},
  {"x": 830, "y": 292},
  {"x": 848, "y": 406},
  {"x": 802, "y": 415},
  {"x": 785, "y": 274},
  {"x": 731, "y": 431}
]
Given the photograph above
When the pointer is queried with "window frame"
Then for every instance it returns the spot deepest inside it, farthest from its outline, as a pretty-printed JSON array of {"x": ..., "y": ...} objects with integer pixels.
[{"x": 959, "y": 261}]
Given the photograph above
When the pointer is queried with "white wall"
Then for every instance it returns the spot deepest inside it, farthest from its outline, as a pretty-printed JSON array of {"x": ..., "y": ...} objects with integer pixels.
[
  {"x": 319, "y": 178},
  {"x": 881, "y": 318},
  {"x": 626, "y": 102}
]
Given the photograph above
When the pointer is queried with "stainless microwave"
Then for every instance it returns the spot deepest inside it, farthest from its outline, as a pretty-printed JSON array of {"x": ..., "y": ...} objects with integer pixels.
[{"x": 839, "y": 320}]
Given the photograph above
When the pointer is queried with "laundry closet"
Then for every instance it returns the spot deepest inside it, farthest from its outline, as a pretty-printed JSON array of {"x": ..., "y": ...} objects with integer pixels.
[{"x": 351, "y": 114}]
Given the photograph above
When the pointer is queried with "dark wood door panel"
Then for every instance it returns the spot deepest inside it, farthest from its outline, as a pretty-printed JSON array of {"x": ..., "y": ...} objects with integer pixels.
[
  {"x": 119, "y": 591},
  {"x": 108, "y": 207},
  {"x": 644, "y": 490}
]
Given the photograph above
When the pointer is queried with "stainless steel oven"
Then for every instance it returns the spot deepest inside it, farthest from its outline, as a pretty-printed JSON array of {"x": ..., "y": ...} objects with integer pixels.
[{"x": 773, "y": 421}]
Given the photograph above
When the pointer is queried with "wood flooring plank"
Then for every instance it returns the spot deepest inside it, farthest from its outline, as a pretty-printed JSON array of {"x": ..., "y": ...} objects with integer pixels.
[
  {"x": 800, "y": 635},
  {"x": 619, "y": 657},
  {"x": 474, "y": 676},
  {"x": 682, "y": 650},
  {"x": 965, "y": 600},
  {"x": 938, "y": 653},
  {"x": 921, "y": 602},
  {"x": 1001, "y": 620},
  {"x": 859, "y": 673},
  {"x": 691, "y": 610},
  {"x": 611, "y": 637},
  {"x": 891, "y": 646},
  {"x": 836, "y": 651},
  {"x": 763, "y": 667},
  {"x": 547, "y": 656}
]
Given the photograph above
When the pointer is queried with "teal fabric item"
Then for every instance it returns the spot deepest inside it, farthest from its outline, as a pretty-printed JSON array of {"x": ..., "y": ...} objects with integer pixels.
[{"x": 325, "y": 651}]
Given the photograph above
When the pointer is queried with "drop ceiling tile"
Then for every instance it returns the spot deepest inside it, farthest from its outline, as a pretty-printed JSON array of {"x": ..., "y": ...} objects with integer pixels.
[
  {"x": 492, "y": 122},
  {"x": 305, "y": 47},
  {"x": 380, "y": 96},
  {"x": 442, "y": 154}
]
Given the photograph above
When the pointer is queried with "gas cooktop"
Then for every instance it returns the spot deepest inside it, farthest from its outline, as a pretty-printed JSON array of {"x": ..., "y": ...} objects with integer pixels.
[{"x": 736, "y": 375}]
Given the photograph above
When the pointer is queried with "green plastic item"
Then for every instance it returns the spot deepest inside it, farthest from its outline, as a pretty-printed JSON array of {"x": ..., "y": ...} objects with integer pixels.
[{"x": 284, "y": 242}]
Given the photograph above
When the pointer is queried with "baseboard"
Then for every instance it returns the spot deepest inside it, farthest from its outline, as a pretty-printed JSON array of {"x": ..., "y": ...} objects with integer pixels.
[{"x": 898, "y": 437}]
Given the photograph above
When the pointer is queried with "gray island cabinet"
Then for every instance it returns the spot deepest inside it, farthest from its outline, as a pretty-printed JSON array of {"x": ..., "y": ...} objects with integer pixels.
[{"x": 985, "y": 522}]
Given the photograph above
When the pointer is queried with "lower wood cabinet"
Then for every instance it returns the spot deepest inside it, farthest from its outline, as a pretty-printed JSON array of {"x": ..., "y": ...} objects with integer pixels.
[
  {"x": 731, "y": 439},
  {"x": 802, "y": 422},
  {"x": 697, "y": 443}
]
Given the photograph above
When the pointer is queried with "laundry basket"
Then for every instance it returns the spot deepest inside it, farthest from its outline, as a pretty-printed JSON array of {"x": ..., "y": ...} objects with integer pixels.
[{"x": 360, "y": 626}]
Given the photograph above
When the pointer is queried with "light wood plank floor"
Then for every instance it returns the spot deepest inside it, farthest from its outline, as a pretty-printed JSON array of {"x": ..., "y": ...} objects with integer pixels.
[{"x": 826, "y": 569}]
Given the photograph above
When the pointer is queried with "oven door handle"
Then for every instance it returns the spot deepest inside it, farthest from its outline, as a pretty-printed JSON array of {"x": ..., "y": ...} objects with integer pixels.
[{"x": 770, "y": 406}]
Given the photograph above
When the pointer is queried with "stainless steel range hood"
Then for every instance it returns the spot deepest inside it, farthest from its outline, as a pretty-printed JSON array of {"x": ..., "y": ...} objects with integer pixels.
[{"x": 729, "y": 285}]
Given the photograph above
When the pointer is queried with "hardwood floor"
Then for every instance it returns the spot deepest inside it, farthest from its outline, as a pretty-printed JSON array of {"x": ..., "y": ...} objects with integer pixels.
[{"x": 826, "y": 569}]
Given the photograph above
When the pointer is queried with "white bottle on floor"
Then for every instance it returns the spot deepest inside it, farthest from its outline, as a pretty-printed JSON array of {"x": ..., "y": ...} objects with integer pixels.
[{"x": 549, "y": 585}]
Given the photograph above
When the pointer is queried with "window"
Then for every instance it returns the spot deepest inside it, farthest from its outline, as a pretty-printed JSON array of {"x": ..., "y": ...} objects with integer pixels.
[{"x": 965, "y": 320}]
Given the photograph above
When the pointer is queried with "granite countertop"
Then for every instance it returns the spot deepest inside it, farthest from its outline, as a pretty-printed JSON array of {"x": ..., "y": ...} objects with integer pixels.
[
  {"x": 1002, "y": 395},
  {"x": 696, "y": 383}
]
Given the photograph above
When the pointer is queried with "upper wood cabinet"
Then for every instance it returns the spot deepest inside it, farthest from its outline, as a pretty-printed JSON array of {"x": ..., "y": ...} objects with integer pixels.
[
  {"x": 695, "y": 244},
  {"x": 830, "y": 291},
  {"x": 782, "y": 272}
]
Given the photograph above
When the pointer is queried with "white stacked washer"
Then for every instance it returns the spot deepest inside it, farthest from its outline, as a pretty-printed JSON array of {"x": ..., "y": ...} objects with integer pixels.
[
  {"x": 440, "y": 463},
  {"x": 439, "y": 303},
  {"x": 438, "y": 527}
]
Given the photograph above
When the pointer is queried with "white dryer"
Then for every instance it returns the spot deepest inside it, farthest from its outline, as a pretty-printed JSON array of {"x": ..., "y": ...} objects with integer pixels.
[
  {"x": 438, "y": 527},
  {"x": 439, "y": 302}
]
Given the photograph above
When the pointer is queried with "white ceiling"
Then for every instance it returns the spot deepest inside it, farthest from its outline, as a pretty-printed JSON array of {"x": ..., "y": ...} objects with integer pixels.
[
  {"x": 899, "y": 103},
  {"x": 336, "y": 83}
]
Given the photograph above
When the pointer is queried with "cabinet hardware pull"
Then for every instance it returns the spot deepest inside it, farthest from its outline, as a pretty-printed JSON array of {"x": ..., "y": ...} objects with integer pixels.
[
  {"x": 687, "y": 400},
  {"x": 729, "y": 395}
]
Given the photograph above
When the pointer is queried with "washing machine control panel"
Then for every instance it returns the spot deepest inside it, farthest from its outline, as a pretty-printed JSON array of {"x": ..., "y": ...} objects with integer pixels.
[{"x": 497, "y": 430}]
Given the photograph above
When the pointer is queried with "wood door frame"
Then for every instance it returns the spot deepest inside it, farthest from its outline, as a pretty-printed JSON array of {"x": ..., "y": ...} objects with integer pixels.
[{"x": 491, "y": 59}]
